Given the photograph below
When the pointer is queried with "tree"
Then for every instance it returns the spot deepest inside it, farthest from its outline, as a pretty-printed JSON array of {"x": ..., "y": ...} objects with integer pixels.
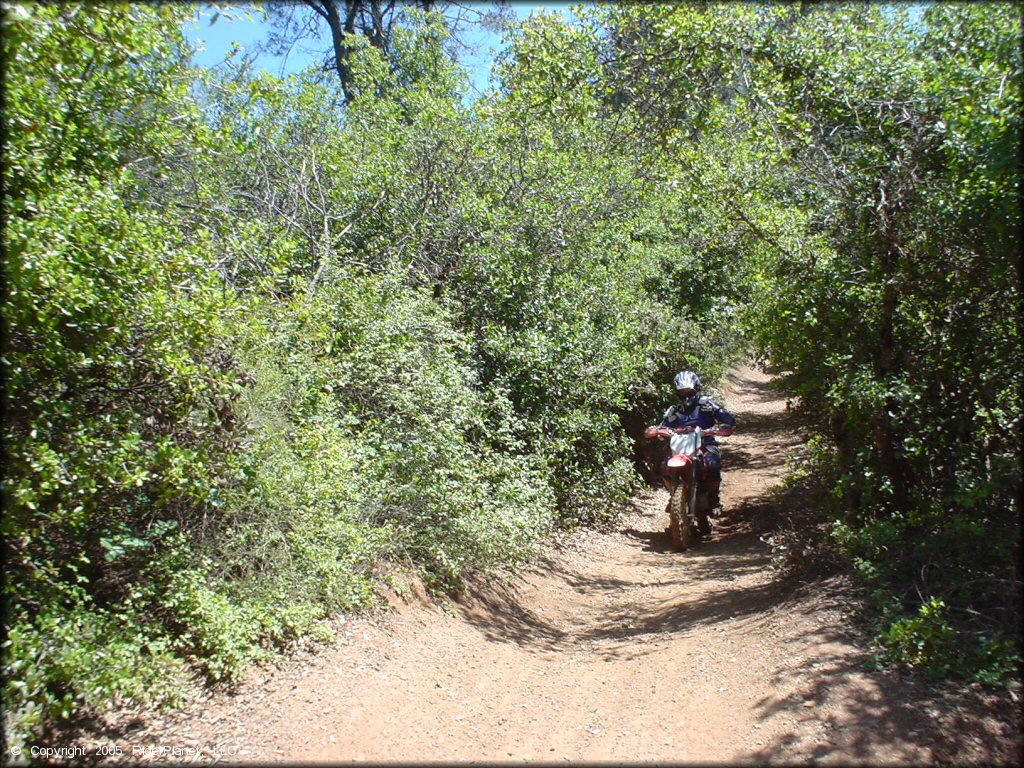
[
  {"x": 872, "y": 161},
  {"x": 902, "y": 142},
  {"x": 375, "y": 20}
]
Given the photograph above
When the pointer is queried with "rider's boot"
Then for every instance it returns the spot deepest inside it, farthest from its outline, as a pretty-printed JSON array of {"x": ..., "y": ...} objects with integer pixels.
[{"x": 713, "y": 500}]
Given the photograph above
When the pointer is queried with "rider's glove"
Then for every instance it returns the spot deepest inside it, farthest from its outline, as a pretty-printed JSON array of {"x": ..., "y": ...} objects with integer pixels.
[{"x": 725, "y": 431}]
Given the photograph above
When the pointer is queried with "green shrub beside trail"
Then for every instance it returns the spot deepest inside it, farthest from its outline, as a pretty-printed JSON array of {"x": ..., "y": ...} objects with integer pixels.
[
  {"x": 258, "y": 345},
  {"x": 262, "y": 341}
]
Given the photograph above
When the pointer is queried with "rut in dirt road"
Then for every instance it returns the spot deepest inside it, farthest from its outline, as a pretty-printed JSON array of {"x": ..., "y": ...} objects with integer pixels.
[{"x": 613, "y": 647}]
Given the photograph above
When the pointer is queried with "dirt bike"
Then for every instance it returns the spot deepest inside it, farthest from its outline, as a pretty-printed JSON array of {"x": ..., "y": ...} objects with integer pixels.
[{"x": 689, "y": 504}]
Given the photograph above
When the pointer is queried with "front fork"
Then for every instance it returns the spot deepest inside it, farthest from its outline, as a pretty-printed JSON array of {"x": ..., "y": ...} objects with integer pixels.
[
  {"x": 696, "y": 513},
  {"x": 686, "y": 475}
]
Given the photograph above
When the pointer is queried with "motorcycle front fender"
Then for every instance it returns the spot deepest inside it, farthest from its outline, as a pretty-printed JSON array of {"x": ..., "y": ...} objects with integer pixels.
[{"x": 679, "y": 461}]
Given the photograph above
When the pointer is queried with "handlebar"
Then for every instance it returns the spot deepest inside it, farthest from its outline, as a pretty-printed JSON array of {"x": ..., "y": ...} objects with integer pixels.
[{"x": 652, "y": 432}]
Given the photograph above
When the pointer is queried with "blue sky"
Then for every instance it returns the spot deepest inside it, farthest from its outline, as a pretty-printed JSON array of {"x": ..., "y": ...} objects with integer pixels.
[{"x": 243, "y": 23}]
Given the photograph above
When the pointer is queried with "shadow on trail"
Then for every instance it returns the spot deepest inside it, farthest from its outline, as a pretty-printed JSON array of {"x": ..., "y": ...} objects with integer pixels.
[
  {"x": 679, "y": 592},
  {"x": 752, "y": 390},
  {"x": 762, "y": 441},
  {"x": 620, "y": 630},
  {"x": 92, "y": 728},
  {"x": 757, "y": 424},
  {"x": 889, "y": 709},
  {"x": 727, "y": 547},
  {"x": 665, "y": 593},
  {"x": 736, "y": 458}
]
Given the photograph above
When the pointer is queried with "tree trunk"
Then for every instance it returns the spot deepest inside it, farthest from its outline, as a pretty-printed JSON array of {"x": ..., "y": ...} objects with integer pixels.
[
  {"x": 886, "y": 440},
  {"x": 329, "y": 11}
]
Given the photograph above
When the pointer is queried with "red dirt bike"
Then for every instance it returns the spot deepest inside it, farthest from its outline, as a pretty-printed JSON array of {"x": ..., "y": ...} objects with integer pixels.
[{"x": 684, "y": 475}]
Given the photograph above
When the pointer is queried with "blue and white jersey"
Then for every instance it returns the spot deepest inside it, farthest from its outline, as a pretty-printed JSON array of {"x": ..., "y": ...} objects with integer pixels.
[{"x": 705, "y": 413}]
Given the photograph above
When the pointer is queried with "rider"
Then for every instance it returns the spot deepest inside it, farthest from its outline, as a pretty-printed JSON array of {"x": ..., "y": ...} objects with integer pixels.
[{"x": 694, "y": 409}]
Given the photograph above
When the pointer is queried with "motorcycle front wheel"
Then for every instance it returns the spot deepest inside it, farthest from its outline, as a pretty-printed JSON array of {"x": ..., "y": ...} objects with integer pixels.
[{"x": 678, "y": 523}]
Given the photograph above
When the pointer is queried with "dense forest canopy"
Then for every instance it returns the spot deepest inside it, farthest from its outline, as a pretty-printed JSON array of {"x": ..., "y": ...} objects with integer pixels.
[{"x": 269, "y": 340}]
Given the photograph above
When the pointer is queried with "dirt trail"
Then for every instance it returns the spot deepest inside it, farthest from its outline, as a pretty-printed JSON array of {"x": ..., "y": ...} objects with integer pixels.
[{"x": 614, "y": 648}]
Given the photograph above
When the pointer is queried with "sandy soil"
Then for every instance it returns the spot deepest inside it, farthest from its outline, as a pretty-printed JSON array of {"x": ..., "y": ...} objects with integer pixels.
[{"x": 613, "y": 648}]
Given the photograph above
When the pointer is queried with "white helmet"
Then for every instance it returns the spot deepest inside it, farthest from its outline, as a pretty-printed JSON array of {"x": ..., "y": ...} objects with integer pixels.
[{"x": 687, "y": 384}]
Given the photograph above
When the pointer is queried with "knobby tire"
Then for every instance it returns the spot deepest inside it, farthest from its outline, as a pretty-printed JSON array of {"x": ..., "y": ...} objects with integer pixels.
[{"x": 678, "y": 523}]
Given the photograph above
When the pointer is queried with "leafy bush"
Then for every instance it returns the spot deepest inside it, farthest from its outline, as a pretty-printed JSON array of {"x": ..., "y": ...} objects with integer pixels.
[
  {"x": 924, "y": 641},
  {"x": 905, "y": 377},
  {"x": 430, "y": 441},
  {"x": 262, "y": 337},
  {"x": 72, "y": 657}
]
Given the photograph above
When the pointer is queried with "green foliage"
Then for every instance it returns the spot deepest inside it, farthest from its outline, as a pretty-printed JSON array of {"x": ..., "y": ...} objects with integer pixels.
[
  {"x": 118, "y": 393},
  {"x": 918, "y": 402},
  {"x": 88, "y": 93},
  {"x": 867, "y": 169},
  {"x": 925, "y": 640},
  {"x": 73, "y": 657},
  {"x": 430, "y": 441},
  {"x": 262, "y": 338},
  {"x": 259, "y": 343},
  {"x": 929, "y": 642}
]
